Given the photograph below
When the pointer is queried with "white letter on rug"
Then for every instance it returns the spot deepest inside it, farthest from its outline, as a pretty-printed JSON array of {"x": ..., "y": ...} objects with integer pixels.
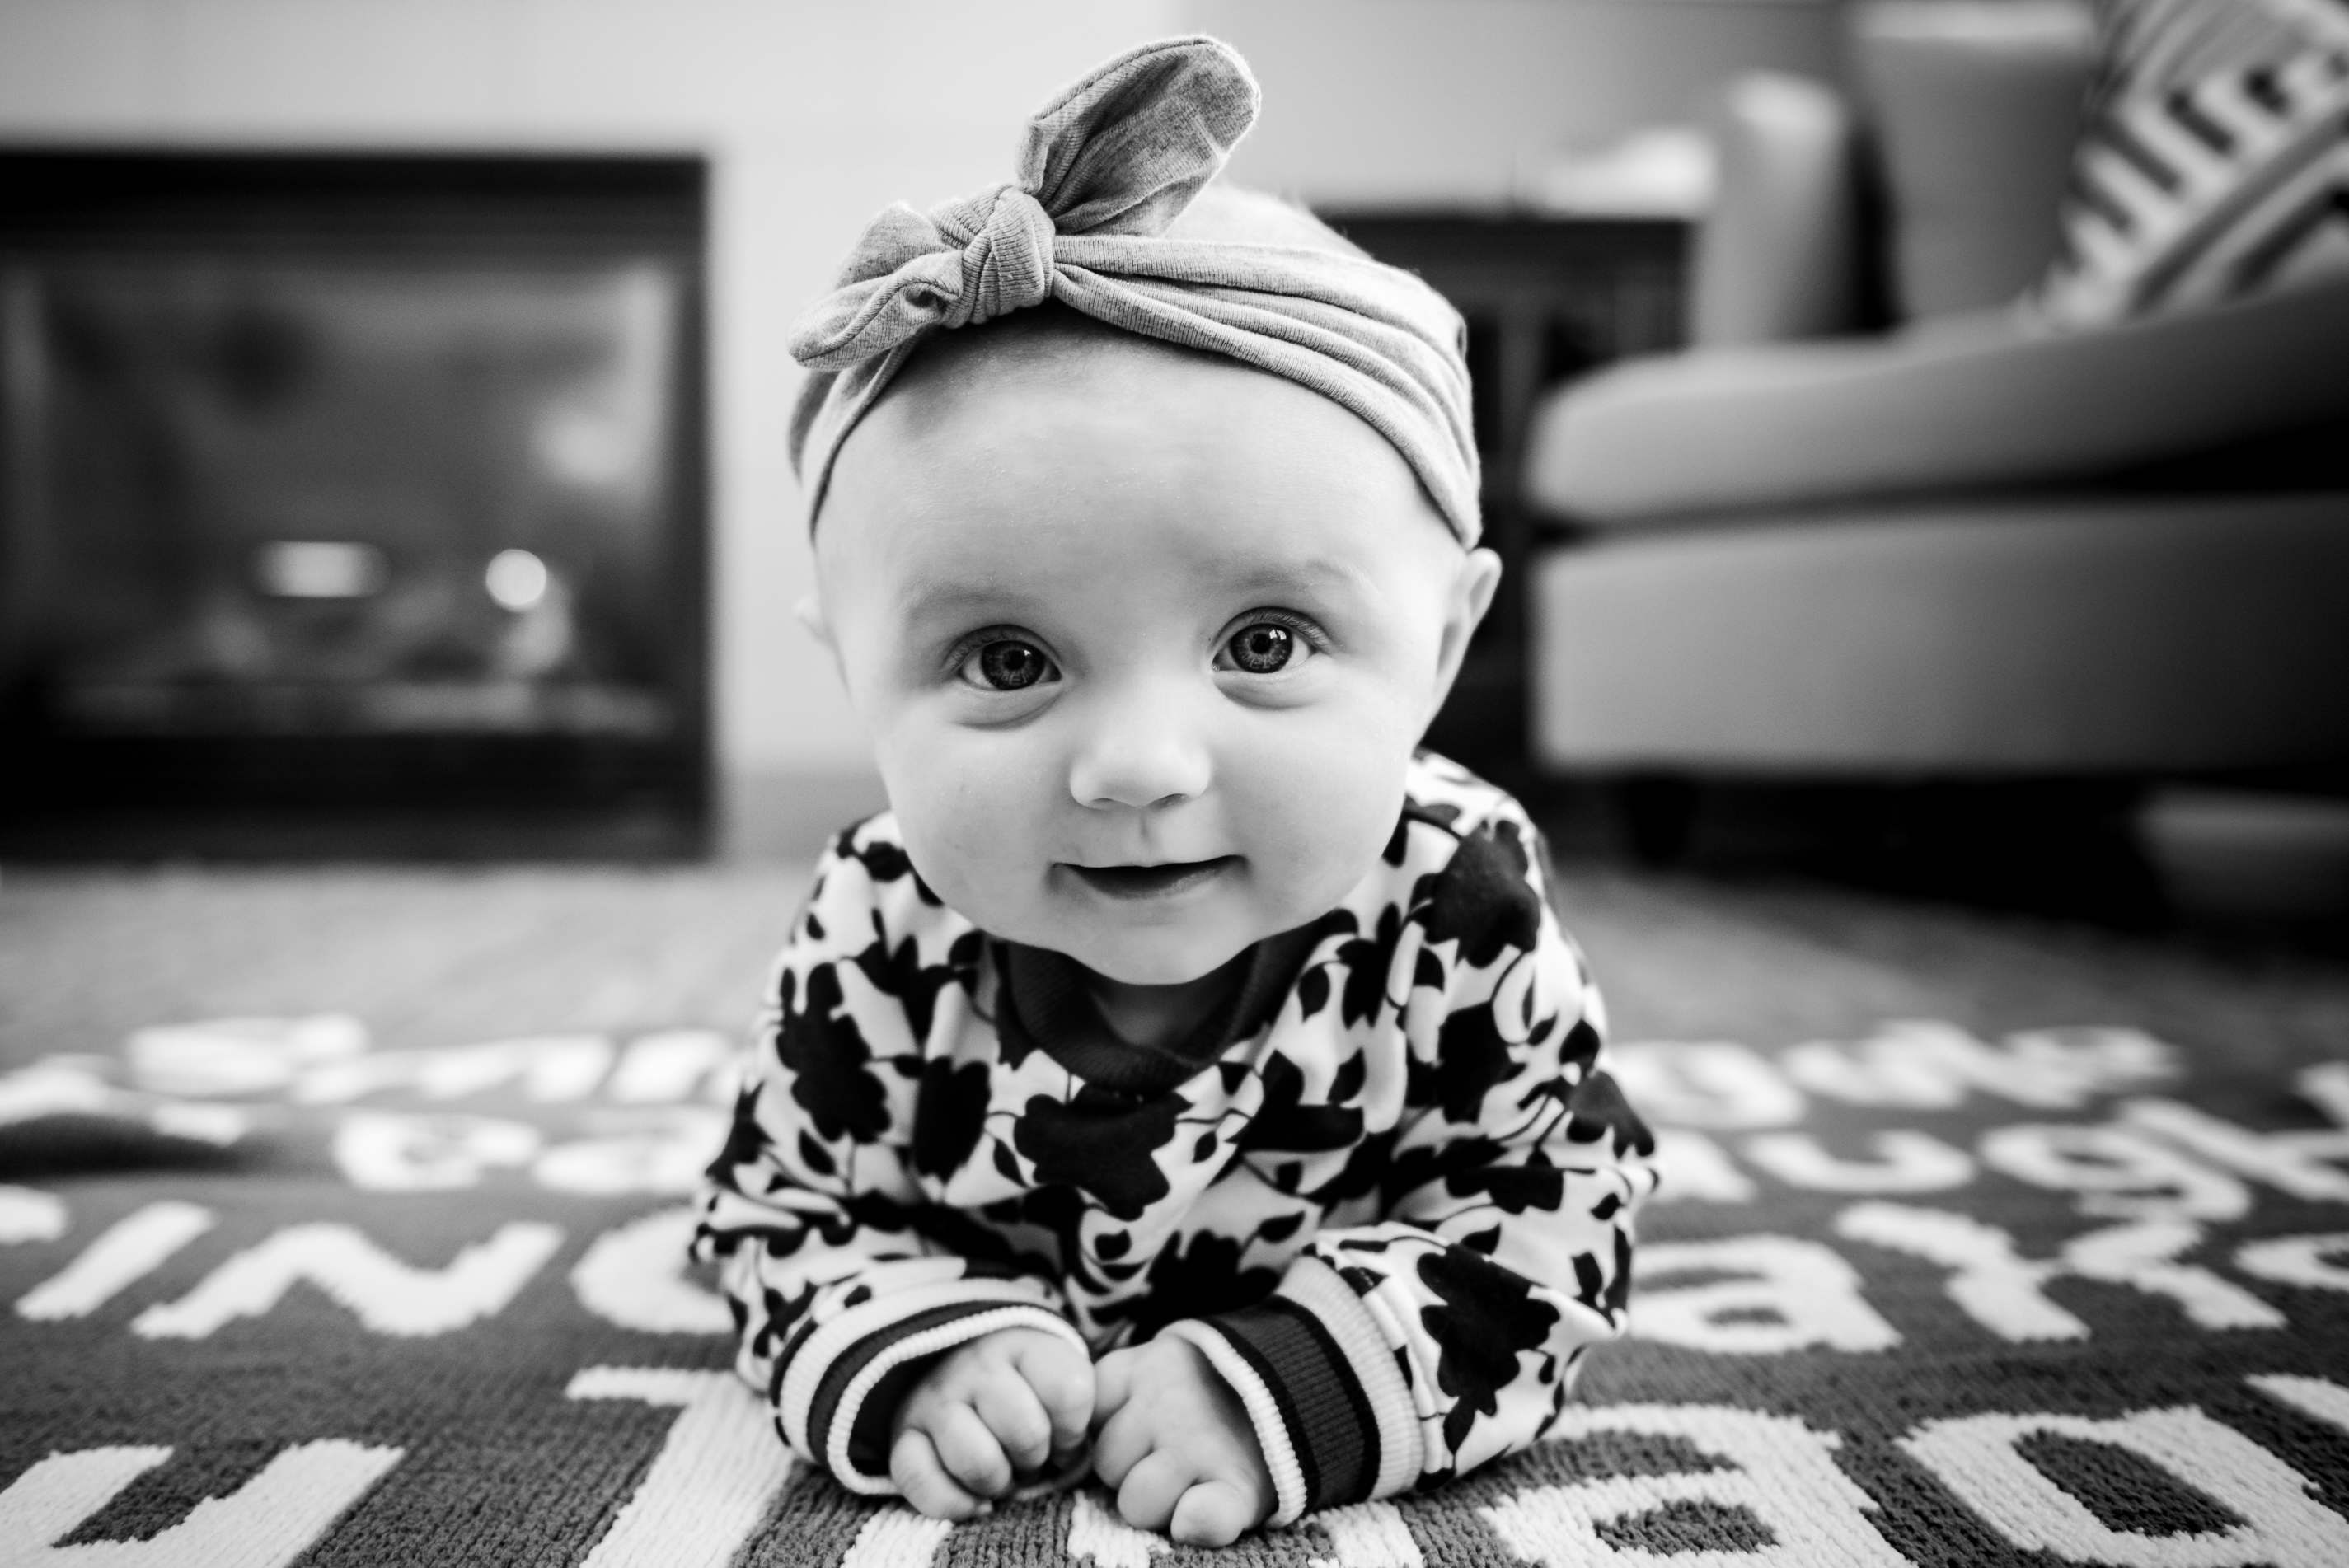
[
  {"x": 710, "y": 1486},
  {"x": 391, "y": 1296},
  {"x": 1704, "y": 1083},
  {"x": 28, "y": 1215},
  {"x": 659, "y": 1069},
  {"x": 239, "y": 1056},
  {"x": 1811, "y": 1292},
  {"x": 897, "y": 1537},
  {"x": 2297, "y": 1260},
  {"x": 268, "y": 1522},
  {"x": 1784, "y": 1475},
  {"x": 2139, "y": 1256},
  {"x": 2003, "y": 1291},
  {"x": 1977, "y": 1457},
  {"x": 1929, "y": 1065},
  {"x": 549, "y": 1068},
  {"x": 1695, "y": 1169},
  {"x": 389, "y": 1151},
  {"x": 658, "y": 1150},
  {"x": 1366, "y": 1535},
  {"x": 2119, "y": 1172},
  {"x": 1905, "y": 1162},
  {"x": 2327, "y": 1402},
  {"x": 1996, "y": 1288},
  {"x": 1097, "y": 1535},
  {"x": 2325, "y": 1086},
  {"x": 634, "y": 1277},
  {"x": 128, "y": 1250},
  {"x": 2290, "y": 1162}
]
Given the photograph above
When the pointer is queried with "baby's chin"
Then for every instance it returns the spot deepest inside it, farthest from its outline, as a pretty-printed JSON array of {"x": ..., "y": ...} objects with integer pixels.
[
  {"x": 1140, "y": 944},
  {"x": 1172, "y": 953}
]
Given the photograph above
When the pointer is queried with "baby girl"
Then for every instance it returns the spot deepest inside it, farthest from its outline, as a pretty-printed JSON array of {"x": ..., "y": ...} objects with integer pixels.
[{"x": 1186, "y": 1080}]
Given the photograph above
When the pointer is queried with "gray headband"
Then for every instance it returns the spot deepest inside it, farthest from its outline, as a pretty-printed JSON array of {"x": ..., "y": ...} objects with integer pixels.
[{"x": 1106, "y": 168}]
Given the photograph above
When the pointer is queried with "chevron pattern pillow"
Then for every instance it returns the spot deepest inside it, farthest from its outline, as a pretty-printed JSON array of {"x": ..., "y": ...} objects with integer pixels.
[{"x": 2216, "y": 163}]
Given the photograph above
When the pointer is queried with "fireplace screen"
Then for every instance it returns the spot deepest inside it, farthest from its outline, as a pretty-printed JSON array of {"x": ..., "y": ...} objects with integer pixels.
[{"x": 401, "y": 523}]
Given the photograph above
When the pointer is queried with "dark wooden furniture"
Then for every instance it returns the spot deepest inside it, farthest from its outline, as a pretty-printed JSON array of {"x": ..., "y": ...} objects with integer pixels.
[{"x": 1545, "y": 299}]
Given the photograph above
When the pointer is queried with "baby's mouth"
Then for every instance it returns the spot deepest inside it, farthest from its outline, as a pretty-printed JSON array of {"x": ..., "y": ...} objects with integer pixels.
[{"x": 1161, "y": 881}]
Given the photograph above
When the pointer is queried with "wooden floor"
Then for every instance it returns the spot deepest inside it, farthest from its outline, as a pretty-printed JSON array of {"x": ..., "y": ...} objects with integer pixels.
[{"x": 445, "y": 957}]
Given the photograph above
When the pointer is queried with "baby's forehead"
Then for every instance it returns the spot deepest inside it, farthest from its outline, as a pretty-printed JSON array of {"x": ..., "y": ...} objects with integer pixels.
[
  {"x": 1050, "y": 399},
  {"x": 1051, "y": 450}
]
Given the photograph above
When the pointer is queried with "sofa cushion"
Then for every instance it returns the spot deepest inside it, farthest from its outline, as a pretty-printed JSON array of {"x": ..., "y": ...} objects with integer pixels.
[
  {"x": 1777, "y": 258},
  {"x": 2062, "y": 634},
  {"x": 1976, "y": 108},
  {"x": 2216, "y": 164},
  {"x": 1970, "y": 403}
]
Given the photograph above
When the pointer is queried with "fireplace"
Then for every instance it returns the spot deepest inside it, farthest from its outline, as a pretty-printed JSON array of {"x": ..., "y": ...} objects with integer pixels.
[{"x": 351, "y": 505}]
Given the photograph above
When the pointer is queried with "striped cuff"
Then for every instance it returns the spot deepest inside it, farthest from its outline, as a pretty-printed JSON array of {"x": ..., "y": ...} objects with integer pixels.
[
  {"x": 1330, "y": 1408},
  {"x": 824, "y": 1377}
]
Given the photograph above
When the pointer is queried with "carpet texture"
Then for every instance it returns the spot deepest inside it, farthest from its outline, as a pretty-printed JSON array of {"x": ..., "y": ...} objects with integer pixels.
[{"x": 341, "y": 1216}]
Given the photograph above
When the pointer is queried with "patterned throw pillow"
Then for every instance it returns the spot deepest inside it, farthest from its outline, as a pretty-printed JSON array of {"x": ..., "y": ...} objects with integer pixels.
[{"x": 2216, "y": 163}]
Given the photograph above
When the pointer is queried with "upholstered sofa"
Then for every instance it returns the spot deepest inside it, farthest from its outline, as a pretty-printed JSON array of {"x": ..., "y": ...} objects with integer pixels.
[{"x": 1881, "y": 521}]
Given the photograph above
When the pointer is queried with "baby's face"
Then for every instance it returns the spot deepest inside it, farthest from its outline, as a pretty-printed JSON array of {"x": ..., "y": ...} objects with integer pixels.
[{"x": 1143, "y": 640}]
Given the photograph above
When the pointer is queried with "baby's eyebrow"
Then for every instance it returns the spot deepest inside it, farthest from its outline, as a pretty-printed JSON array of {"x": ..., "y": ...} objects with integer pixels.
[
  {"x": 959, "y": 599},
  {"x": 1324, "y": 573},
  {"x": 1244, "y": 574}
]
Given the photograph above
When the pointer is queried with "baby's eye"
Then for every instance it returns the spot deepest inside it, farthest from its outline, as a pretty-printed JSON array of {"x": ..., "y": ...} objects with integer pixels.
[
  {"x": 1007, "y": 664},
  {"x": 1261, "y": 647}
]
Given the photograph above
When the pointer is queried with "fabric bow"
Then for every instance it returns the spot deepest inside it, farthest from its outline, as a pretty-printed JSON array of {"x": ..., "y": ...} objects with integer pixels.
[{"x": 1105, "y": 169}]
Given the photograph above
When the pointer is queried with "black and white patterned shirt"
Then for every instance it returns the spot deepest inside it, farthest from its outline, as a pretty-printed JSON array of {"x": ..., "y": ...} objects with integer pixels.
[{"x": 1386, "y": 1190}]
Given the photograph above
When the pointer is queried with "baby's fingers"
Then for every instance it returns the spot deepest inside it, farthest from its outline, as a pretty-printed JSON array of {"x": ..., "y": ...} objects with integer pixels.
[
  {"x": 1213, "y": 1513},
  {"x": 969, "y": 1451},
  {"x": 1151, "y": 1489},
  {"x": 1013, "y": 1413},
  {"x": 914, "y": 1466},
  {"x": 1113, "y": 1385},
  {"x": 1123, "y": 1442},
  {"x": 1063, "y": 1380}
]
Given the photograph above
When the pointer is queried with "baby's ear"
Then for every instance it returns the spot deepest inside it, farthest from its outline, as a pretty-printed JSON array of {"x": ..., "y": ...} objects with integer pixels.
[
  {"x": 810, "y": 614},
  {"x": 1471, "y": 595},
  {"x": 1479, "y": 578}
]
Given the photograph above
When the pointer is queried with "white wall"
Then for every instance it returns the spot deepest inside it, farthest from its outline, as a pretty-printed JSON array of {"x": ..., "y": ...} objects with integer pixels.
[
  {"x": 1395, "y": 101},
  {"x": 816, "y": 112}
]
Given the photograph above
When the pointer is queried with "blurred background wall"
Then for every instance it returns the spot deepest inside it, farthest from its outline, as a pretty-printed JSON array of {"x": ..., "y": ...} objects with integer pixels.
[{"x": 814, "y": 114}]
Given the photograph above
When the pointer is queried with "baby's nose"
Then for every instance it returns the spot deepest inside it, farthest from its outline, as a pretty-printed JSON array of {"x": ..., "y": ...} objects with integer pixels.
[{"x": 1139, "y": 754}]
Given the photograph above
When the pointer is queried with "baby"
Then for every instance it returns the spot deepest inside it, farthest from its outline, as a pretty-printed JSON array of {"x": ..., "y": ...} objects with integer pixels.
[{"x": 1183, "y": 1063}]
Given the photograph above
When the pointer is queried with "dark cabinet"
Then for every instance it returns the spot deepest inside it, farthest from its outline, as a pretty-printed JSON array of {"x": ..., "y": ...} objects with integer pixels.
[{"x": 1545, "y": 299}]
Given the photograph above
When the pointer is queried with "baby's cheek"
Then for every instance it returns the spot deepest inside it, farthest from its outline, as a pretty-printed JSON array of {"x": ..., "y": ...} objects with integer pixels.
[
  {"x": 1318, "y": 795},
  {"x": 971, "y": 809}
]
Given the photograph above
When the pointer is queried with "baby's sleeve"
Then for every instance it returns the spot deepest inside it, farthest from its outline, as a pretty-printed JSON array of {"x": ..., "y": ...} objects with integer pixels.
[
  {"x": 1401, "y": 1353},
  {"x": 842, "y": 1278}
]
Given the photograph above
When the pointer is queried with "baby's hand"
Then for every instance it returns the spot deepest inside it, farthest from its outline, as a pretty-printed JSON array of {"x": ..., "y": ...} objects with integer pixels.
[
  {"x": 991, "y": 1409},
  {"x": 1178, "y": 1446}
]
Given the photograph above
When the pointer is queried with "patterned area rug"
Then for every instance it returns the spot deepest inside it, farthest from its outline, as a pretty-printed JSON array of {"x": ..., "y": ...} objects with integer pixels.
[{"x": 2063, "y": 1276}]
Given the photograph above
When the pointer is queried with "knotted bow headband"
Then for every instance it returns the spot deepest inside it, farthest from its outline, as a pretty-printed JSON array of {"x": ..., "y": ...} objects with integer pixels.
[{"x": 1105, "y": 169}]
